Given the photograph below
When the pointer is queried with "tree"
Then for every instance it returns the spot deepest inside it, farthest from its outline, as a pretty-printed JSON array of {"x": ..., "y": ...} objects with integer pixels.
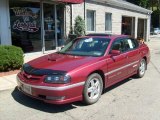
[
  {"x": 79, "y": 28},
  {"x": 142, "y": 3},
  {"x": 154, "y": 5}
]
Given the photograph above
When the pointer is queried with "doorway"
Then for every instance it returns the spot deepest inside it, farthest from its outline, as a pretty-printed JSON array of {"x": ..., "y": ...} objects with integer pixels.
[
  {"x": 49, "y": 26},
  {"x": 128, "y": 25},
  {"x": 142, "y": 30},
  {"x": 53, "y": 18}
]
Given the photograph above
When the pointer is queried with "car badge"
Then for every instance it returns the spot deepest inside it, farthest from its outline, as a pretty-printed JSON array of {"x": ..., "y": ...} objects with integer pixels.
[{"x": 29, "y": 76}]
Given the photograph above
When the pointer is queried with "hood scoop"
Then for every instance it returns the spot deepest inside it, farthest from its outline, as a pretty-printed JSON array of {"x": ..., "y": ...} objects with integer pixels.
[{"x": 55, "y": 57}]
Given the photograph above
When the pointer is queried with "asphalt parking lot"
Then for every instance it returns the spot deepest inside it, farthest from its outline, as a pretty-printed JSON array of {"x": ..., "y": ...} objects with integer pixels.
[{"x": 132, "y": 99}]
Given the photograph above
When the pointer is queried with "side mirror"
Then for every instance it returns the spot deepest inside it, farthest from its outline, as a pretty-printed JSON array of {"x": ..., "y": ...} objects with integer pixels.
[
  {"x": 62, "y": 47},
  {"x": 59, "y": 48},
  {"x": 115, "y": 52}
]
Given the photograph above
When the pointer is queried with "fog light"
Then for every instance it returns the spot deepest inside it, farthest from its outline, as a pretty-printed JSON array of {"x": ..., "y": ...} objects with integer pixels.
[{"x": 55, "y": 98}]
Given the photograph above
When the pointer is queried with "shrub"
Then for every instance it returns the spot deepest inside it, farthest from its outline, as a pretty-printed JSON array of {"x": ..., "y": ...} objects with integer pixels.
[
  {"x": 11, "y": 58},
  {"x": 79, "y": 28}
]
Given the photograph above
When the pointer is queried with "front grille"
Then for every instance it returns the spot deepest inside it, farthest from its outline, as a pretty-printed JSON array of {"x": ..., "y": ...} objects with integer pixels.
[
  {"x": 30, "y": 77},
  {"x": 42, "y": 97}
]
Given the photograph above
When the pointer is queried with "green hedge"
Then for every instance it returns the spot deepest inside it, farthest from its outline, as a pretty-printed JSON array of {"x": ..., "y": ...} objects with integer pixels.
[{"x": 11, "y": 58}]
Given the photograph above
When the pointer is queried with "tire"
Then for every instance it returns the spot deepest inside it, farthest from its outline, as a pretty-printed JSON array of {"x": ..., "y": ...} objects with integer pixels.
[
  {"x": 141, "y": 68},
  {"x": 92, "y": 89}
]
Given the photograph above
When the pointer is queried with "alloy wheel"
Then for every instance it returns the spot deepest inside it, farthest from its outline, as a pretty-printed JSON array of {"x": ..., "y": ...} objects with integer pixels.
[{"x": 94, "y": 88}]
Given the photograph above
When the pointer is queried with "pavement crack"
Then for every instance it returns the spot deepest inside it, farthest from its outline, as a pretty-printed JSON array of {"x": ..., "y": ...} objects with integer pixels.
[
  {"x": 155, "y": 67},
  {"x": 72, "y": 117}
]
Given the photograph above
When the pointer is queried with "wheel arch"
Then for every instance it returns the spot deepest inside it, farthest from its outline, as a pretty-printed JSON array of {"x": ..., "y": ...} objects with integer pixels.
[
  {"x": 101, "y": 73},
  {"x": 145, "y": 58}
]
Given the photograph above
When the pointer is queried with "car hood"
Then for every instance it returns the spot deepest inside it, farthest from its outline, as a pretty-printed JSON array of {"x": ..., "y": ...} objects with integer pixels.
[{"x": 61, "y": 62}]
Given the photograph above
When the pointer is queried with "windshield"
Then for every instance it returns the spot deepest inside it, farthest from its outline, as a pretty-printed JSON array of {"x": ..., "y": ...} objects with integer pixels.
[{"x": 89, "y": 46}]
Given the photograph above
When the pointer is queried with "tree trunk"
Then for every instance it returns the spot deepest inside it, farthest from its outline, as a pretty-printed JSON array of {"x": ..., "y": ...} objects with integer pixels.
[
  {"x": 152, "y": 4},
  {"x": 159, "y": 11}
]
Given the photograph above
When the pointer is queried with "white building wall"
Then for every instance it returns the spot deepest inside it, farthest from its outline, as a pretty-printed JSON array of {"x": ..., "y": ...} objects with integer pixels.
[
  {"x": 117, "y": 14},
  {"x": 77, "y": 9},
  {"x": 5, "y": 32}
]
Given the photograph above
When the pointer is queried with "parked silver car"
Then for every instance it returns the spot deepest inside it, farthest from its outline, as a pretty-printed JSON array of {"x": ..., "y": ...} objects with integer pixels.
[{"x": 156, "y": 31}]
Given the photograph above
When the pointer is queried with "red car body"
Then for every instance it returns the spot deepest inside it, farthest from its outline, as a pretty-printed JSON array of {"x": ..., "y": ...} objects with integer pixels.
[{"x": 112, "y": 68}]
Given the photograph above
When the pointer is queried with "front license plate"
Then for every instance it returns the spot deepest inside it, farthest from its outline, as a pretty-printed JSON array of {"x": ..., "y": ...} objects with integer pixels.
[{"x": 27, "y": 89}]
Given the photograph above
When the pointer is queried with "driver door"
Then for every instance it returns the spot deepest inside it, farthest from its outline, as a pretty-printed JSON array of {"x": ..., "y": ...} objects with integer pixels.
[{"x": 117, "y": 64}]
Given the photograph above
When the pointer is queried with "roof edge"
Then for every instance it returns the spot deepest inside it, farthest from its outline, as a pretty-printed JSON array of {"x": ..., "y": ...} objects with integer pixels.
[{"x": 124, "y": 5}]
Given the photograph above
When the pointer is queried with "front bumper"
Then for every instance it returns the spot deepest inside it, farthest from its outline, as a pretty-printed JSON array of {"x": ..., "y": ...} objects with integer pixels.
[{"x": 49, "y": 94}]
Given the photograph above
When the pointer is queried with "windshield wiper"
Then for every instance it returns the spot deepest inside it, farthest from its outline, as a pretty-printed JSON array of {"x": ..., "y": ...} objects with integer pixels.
[{"x": 61, "y": 53}]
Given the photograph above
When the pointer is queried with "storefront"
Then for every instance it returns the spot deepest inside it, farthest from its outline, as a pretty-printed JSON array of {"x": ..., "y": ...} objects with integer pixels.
[{"x": 37, "y": 25}]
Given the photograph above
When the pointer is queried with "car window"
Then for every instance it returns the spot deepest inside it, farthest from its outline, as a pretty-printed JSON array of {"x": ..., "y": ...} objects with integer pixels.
[
  {"x": 130, "y": 44},
  {"x": 124, "y": 44},
  {"x": 117, "y": 45}
]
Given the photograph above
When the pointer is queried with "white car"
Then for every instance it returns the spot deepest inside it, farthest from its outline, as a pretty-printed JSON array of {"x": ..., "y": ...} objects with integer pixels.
[{"x": 156, "y": 31}]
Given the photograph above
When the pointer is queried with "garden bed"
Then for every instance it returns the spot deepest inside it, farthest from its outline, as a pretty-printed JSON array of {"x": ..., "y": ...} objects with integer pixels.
[{"x": 9, "y": 73}]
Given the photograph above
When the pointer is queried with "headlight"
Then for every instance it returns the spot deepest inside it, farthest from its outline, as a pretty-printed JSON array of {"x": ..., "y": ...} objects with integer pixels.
[{"x": 57, "y": 79}]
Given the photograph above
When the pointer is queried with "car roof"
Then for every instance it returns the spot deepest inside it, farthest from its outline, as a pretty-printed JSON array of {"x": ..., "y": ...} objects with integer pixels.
[
  {"x": 111, "y": 36},
  {"x": 99, "y": 34}
]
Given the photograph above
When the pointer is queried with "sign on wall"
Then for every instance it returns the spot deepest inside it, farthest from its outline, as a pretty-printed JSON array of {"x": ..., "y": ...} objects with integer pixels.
[{"x": 26, "y": 19}]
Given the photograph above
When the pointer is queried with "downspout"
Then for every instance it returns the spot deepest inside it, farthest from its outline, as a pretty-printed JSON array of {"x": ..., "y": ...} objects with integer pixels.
[
  {"x": 71, "y": 19},
  {"x": 65, "y": 23},
  {"x": 55, "y": 19},
  {"x": 42, "y": 26},
  {"x": 85, "y": 11}
]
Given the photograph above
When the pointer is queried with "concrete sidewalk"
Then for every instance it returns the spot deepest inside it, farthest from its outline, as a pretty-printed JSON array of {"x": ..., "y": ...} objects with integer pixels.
[{"x": 9, "y": 82}]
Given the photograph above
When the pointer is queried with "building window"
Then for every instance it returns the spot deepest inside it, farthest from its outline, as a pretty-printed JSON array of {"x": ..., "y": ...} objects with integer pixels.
[
  {"x": 90, "y": 20},
  {"x": 108, "y": 22},
  {"x": 25, "y": 25}
]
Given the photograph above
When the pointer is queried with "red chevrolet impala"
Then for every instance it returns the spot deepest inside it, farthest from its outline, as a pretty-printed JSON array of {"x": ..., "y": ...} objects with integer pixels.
[{"x": 83, "y": 69}]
